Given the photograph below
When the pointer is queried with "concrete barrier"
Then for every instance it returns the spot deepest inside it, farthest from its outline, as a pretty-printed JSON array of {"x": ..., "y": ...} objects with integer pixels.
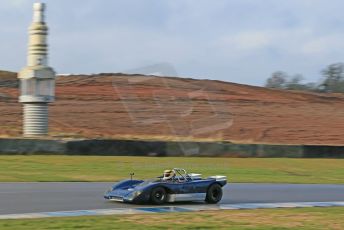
[
  {"x": 32, "y": 146},
  {"x": 161, "y": 148}
]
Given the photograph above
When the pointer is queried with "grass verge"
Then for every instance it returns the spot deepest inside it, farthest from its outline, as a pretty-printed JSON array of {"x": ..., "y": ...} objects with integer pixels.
[
  {"x": 297, "y": 218},
  {"x": 109, "y": 168}
]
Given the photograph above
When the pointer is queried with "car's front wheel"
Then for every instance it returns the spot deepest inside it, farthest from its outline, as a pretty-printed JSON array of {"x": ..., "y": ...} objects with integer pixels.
[
  {"x": 214, "y": 194},
  {"x": 158, "y": 195}
]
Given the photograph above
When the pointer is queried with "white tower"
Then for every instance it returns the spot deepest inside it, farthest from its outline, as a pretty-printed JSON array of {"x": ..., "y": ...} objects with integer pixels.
[{"x": 37, "y": 80}]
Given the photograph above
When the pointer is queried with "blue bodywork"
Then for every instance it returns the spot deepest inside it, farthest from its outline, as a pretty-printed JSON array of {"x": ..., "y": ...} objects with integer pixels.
[{"x": 139, "y": 191}]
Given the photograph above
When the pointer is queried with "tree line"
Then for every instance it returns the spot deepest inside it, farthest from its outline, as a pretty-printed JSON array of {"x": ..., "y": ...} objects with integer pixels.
[{"x": 332, "y": 80}]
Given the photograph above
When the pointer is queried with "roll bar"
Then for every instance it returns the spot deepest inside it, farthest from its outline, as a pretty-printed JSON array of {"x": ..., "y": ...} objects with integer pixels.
[{"x": 182, "y": 173}]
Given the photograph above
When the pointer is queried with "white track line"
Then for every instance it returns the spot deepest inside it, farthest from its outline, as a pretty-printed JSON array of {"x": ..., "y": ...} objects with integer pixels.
[{"x": 161, "y": 209}]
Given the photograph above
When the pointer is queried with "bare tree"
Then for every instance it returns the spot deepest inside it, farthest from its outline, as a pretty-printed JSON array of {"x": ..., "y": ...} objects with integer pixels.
[
  {"x": 277, "y": 80},
  {"x": 334, "y": 78}
]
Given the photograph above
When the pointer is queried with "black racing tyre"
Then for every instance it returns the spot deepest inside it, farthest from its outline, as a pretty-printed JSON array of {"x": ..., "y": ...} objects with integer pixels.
[
  {"x": 158, "y": 195},
  {"x": 214, "y": 194}
]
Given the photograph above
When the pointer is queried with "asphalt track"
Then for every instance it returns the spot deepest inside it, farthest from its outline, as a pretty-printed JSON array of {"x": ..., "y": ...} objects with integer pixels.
[{"x": 18, "y": 198}]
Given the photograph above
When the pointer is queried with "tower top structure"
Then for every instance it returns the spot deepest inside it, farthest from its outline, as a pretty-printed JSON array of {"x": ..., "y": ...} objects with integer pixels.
[{"x": 38, "y": 15}]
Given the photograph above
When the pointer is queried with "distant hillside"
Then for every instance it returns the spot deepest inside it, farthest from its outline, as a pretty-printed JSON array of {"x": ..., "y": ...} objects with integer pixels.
[
  {"x": 6, "y": 75},
  {"x": 149, "y": 107}
]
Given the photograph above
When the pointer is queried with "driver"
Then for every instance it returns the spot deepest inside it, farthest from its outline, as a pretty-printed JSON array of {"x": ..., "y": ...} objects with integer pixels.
[{"x": 169, "y": 174}]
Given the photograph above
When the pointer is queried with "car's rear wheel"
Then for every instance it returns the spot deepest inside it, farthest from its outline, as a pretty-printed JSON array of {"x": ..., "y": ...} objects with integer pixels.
[
  {"x": 158, "y": 195},
  {"x": 214, "y": 194}
]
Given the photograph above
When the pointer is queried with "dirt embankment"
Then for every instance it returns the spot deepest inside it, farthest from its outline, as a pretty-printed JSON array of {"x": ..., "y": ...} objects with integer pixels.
[{"x": 148, "y": 107}]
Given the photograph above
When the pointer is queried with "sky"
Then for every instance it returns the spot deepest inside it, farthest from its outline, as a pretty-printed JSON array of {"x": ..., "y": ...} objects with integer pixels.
[{"x": 241, "y": 41}]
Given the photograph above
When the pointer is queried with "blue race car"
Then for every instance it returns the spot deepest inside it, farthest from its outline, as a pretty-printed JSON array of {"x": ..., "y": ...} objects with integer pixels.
[{"x": 174, "y": 185}]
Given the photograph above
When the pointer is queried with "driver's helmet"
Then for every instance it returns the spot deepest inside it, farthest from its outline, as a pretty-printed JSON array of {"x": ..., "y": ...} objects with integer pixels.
[{"x": 168, "y": 174}]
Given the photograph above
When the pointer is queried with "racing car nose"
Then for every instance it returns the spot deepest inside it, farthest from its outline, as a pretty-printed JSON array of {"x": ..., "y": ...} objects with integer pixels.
[{"x": 108, "y": 191}]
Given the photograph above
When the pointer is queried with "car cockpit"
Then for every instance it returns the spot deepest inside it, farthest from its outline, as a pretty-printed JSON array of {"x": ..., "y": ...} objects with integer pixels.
[{"x": 179, "y": 175}]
